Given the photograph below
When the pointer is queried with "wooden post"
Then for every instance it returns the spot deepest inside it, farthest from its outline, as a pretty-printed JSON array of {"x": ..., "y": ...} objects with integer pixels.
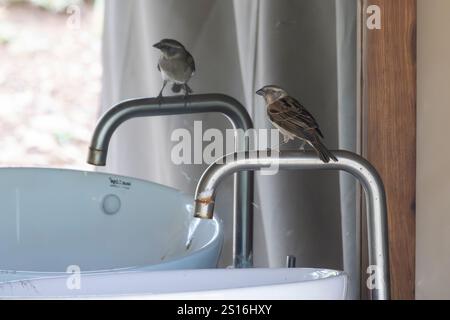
[{"x": 388, "y": 124}]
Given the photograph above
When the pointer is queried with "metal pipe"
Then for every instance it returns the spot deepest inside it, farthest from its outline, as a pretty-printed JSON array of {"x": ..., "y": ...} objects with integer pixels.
[
  {"x": 294, "y": 160},
  {"x": 192, "y": 104},
  {"x": 291, "y": 262}
]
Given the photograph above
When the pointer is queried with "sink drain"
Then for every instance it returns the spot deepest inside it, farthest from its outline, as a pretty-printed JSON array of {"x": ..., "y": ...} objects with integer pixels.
[{"x": 111, "y": 204}]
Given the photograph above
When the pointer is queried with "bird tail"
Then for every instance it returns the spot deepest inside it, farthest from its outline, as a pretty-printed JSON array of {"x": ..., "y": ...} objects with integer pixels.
[
  {"x": 322, "y": 151},
  {"x": 176, "y": 88}
]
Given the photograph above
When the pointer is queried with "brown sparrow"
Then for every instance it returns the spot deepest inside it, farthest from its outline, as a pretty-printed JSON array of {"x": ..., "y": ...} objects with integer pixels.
[{"x": 293, "y": 120}]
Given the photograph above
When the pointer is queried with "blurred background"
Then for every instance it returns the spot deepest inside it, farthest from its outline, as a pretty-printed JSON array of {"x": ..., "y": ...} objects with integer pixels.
[{"x": 50, "y": 80}]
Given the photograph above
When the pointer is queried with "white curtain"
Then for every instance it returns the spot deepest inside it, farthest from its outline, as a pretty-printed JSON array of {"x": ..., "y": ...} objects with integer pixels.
[{"x": 305, "y": 46}]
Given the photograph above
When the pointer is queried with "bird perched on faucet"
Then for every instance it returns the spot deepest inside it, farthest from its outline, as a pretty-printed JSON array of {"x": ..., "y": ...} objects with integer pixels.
[
  {"x": 293, "y": 120},
  {"x": 176, "y": 65}
]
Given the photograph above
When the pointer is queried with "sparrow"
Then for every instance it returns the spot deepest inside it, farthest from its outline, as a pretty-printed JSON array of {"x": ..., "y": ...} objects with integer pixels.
[
  {"x": 176, "y": 65},
  {"x": 293, "y": 120}
]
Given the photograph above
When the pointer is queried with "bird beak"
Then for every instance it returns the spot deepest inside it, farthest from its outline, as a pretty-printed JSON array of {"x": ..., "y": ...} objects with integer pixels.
[
  {"x": 157, "y": 45},
  {"x": 260, "y": 92}
]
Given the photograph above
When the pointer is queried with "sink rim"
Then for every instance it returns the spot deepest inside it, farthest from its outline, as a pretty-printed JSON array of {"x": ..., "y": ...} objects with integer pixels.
[
  {"x": 125, "y": 271},
  {"x": 190, "y": 275},
  {"x": 73, "y": 170}
]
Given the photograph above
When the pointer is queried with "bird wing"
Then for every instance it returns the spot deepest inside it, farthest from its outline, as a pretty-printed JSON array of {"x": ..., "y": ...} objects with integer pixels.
[
  {"x": 292, "y": 113},
  {"x": 191, "y": 61},
  {"x": 289, "y": 114}
]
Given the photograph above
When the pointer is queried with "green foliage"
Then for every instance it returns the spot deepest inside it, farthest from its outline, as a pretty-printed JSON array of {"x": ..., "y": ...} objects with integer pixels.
[
  {"x": 55, "y": 5},
  {"x": 7, "y": 33},
  {"x": 50, "y": 5},
  {"x": 4, "y": 40}
]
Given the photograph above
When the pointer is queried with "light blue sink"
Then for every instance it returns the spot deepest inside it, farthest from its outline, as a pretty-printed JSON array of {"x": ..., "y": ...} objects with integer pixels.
[{"x": 54, "y": 221}]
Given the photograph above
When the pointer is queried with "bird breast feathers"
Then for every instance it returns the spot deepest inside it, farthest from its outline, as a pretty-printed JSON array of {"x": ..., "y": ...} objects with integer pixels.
[{"x": 175, "y": 69}]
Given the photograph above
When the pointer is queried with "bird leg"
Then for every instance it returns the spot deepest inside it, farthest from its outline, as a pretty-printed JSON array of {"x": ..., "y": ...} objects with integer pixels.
[
  {"x": 160, "y": 95},
  {"x": 302, "y": 146},
  {"x": 285, "y": 138},
  {"x": 186, "y": 93},
  {"x": 277, "y": 147}
]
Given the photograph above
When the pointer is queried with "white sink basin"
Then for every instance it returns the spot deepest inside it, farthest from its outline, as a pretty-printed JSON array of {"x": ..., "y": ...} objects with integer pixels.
[
  {"x": 51, "y": 219},
  {"x": 220, "y": 284}
]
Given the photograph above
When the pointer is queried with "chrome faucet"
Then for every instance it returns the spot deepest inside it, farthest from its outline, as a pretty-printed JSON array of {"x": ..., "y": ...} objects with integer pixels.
[
  {"x": 204, "y": 103},
  {"x": 293, "y": 160}
]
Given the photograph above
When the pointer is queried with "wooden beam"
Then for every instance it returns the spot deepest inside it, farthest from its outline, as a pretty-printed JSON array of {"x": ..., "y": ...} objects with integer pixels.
[{"x": 388, "y": 124}]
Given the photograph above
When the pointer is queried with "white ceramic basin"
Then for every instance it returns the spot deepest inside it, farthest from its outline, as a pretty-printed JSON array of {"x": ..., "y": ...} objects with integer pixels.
[
  {"x": 220, "y": 284},
  {"x": 51, "y": 219}
]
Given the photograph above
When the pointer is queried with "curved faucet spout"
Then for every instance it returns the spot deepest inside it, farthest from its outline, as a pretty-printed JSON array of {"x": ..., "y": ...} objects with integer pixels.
[
  {"x": 299, "y": 160},
  {"x": 202, "y": 103},
  {"x": 150, "y": 107}
]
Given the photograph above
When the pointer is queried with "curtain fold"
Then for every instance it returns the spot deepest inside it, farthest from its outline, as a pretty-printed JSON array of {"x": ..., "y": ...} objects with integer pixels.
[{"x": 239, "y": 46}]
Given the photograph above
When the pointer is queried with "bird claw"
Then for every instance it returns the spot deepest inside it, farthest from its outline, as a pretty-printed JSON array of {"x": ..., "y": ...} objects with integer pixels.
[
  {"x": 160, "y": 99},
  {"x": 285, "y": 139},
  {"x": 302, "y": 147},
  {"x": 276, "y": 149},
  {"x": 185, "y": 97}
]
